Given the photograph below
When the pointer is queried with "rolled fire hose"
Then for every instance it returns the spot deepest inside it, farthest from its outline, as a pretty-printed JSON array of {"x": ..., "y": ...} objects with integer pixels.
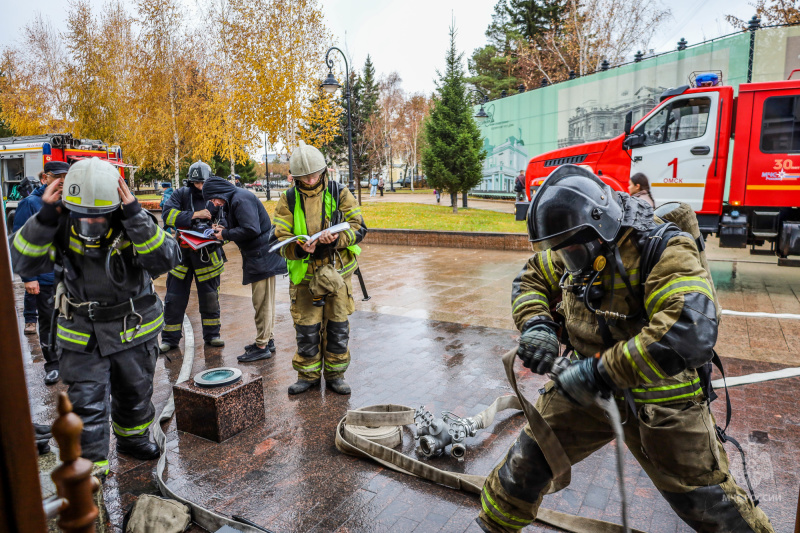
[{"x": 350, "y": 440}]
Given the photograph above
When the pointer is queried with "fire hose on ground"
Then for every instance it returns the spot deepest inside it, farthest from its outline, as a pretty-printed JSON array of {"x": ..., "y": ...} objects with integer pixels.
[{"x": 355, "y": 431}]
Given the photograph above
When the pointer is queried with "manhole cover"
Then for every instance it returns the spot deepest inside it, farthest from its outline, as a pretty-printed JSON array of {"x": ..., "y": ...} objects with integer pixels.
[{"x": 217, "y": 377}]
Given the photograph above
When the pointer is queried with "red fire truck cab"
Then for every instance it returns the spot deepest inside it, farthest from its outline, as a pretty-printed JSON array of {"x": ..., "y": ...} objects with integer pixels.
[
  {"x": 747, "y": 192},
  {"x": 25, "y": 157}
]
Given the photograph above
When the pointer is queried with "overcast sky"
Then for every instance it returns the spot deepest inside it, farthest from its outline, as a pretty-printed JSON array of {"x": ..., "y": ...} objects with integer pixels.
[{"x": 410, "y": 36}]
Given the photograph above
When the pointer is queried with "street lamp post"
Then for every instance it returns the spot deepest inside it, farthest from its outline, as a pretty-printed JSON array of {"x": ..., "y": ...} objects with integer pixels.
[
  {"x": 329, "y": 86},
  {"x": 391, "y": 164}
]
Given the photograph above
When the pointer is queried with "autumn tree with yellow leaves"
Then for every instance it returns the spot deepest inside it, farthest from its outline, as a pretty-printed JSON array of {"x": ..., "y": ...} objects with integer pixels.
[{"x": 169, "y": 85}]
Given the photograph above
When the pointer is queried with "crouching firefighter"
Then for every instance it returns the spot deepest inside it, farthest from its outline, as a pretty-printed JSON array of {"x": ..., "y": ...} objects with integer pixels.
[
  {"x": 640, "y": 331},
  {"x": 321, "y": 289},
  {"x": 187, "y": 210},
  {"x": 109, "y": 317}
]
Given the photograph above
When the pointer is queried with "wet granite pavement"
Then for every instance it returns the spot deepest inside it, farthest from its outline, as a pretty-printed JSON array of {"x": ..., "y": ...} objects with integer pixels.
[{"x": 432, "y": 335}]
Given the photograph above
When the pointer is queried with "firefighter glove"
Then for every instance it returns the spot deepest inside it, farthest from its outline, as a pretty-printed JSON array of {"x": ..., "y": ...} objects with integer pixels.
[
  {"x": 538, "y": 348},
  {"x": 581, "y": 382}
]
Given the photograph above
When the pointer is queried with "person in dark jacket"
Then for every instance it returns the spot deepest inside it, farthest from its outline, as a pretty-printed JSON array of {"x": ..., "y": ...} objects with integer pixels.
[
  {"x": 249, "y": 226},
  {"x": 186, "y": 210},
  {"x": 29, "y": 312},
  {"x": 40, "y": 288},
  {"x": 106, "y": 250}
]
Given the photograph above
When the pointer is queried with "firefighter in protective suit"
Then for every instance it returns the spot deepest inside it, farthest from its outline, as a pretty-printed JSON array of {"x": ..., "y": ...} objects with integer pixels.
[
  {"x": 320, "y": 272},
  {"x": 187, "y": 210},
  {"x": 105, "y": 249},
  {"x": 641, "y": 341}
]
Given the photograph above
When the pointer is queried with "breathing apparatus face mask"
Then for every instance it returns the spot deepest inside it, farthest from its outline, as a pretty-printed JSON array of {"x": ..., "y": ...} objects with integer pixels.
[
  {"x": 91, "y": 230},
  {"x": 580, "y": 257}
]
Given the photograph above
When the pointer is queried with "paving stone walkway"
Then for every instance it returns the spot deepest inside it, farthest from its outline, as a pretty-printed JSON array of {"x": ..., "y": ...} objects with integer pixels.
[{"x": 432, "y": 335}]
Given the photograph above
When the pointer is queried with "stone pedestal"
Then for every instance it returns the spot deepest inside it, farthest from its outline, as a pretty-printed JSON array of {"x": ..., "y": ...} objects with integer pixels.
[{"x": 219, "y": 413}]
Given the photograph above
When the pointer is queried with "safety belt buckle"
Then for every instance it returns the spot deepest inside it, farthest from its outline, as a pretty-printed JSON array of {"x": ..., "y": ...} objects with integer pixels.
[{"x": 90, "y": 310}]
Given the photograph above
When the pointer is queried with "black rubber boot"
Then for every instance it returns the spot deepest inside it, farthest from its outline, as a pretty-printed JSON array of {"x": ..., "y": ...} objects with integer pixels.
[
  {"x": 271, "y": 346},
  {"x": 52, "y": 377},
  {"x": 338, "y": 385},
  {"x": 302, "y": 386},
  {"x": 140, "y": 447}
]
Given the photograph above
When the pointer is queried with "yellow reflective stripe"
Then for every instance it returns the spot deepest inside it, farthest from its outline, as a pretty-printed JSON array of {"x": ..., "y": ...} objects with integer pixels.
[
  {"x": 533, "y": 296},
  {"x": 352, "y": 213},
  {"x": 547, "y": 268},
  {"x": 670, "y": 399},
  {"x": 210, "y": 322},
  {"x": 645, "y": 357},
  {"x": 349, "y": 267},
  {"x": 520, "y": 522},
  {"x": 688, "y": 288},
  {"x": 633, "y": 363},
  {"x": 334, "y": 367},
  {"x": 633, "y": 278},
  {"x": 153, "y": 243},
  {"x": 103, "y": 465},
  {"x": 313, "y": 367},
  {"x": 283, "y": 223},
  {"x": 172, "y": 327},
  {"x": 75, "y": 245},
  {"x": 178, "y": 274},
  {"x": 696, "y": 283},
  {"x": 130, "y": 432},
  {"x": 669, "y": 387},
  {"x": 145, "y": 329},
  {"x": 29, "y": 249},
  {"x": 212, "y": 274},
  {"x": 72, "y": 336},
  {"x": 215, "y": 265},
  {"x": 171, "y": 216},
  {"x": 531, "y": 293}
]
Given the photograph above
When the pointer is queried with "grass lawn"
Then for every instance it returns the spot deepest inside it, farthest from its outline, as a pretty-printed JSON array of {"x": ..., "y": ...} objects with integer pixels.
[
  {"x": 398, "y": 215},
  {"x": 141, "y": 197}
]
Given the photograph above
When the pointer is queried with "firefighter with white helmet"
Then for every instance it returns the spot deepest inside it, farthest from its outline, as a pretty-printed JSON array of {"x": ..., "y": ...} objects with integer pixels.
[
  {"x": 320, "y": 272},
  {"x": 105, "y": 249}
]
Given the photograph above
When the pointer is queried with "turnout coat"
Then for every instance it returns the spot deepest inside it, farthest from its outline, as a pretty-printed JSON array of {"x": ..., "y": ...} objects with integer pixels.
[{"x": 147, "y": 251}]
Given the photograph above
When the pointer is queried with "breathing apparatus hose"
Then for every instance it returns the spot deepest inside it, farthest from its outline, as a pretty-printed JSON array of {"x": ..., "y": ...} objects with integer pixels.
[{"x": 112, "y": 251}]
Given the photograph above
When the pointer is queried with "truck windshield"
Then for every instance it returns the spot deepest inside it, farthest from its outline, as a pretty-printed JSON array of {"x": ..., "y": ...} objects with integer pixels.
[{"x": 680, "y": 120}]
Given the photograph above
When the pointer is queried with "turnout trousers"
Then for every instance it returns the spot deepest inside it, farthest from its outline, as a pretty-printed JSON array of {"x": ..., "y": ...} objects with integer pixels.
[
  {"x": 177, "y": 298},
  {"x": 675, "y": 444},
  {"x": 121, "y": 383},
  {"x": 44, "y": 307},
  {"x": 323, "y": 333}
]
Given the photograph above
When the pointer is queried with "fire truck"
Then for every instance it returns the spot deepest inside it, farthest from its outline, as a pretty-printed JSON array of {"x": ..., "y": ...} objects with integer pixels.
[
  {"x": 25, "y": 157},
  {"x": 746, "y": 192}
]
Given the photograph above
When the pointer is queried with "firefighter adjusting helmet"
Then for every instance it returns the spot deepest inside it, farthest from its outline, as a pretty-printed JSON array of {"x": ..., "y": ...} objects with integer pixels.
[
  {"x": 574, "y": 211},
  {"x": 198, "y": 172},
  {"x": 90, "y": 187},
  {"x": 306, "y": 160}
]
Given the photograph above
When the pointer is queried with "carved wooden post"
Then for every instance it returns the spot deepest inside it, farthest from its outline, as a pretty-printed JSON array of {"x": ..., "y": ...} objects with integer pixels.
[{"x": 73, "y": 479}]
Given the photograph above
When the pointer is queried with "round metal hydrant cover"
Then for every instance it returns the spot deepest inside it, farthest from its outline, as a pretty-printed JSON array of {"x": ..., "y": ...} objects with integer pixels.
[{"x": 217, "y": 377}]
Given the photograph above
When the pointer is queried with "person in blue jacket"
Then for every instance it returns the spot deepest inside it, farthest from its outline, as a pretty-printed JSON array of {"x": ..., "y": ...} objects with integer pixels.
[{"x": 41, "y": 286}]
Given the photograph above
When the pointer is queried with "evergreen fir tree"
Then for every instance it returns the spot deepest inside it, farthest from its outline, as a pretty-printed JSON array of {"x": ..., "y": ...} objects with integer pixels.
[
  {"x": 221, "y": 166},
  {"x": 453, "y": 156}
]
